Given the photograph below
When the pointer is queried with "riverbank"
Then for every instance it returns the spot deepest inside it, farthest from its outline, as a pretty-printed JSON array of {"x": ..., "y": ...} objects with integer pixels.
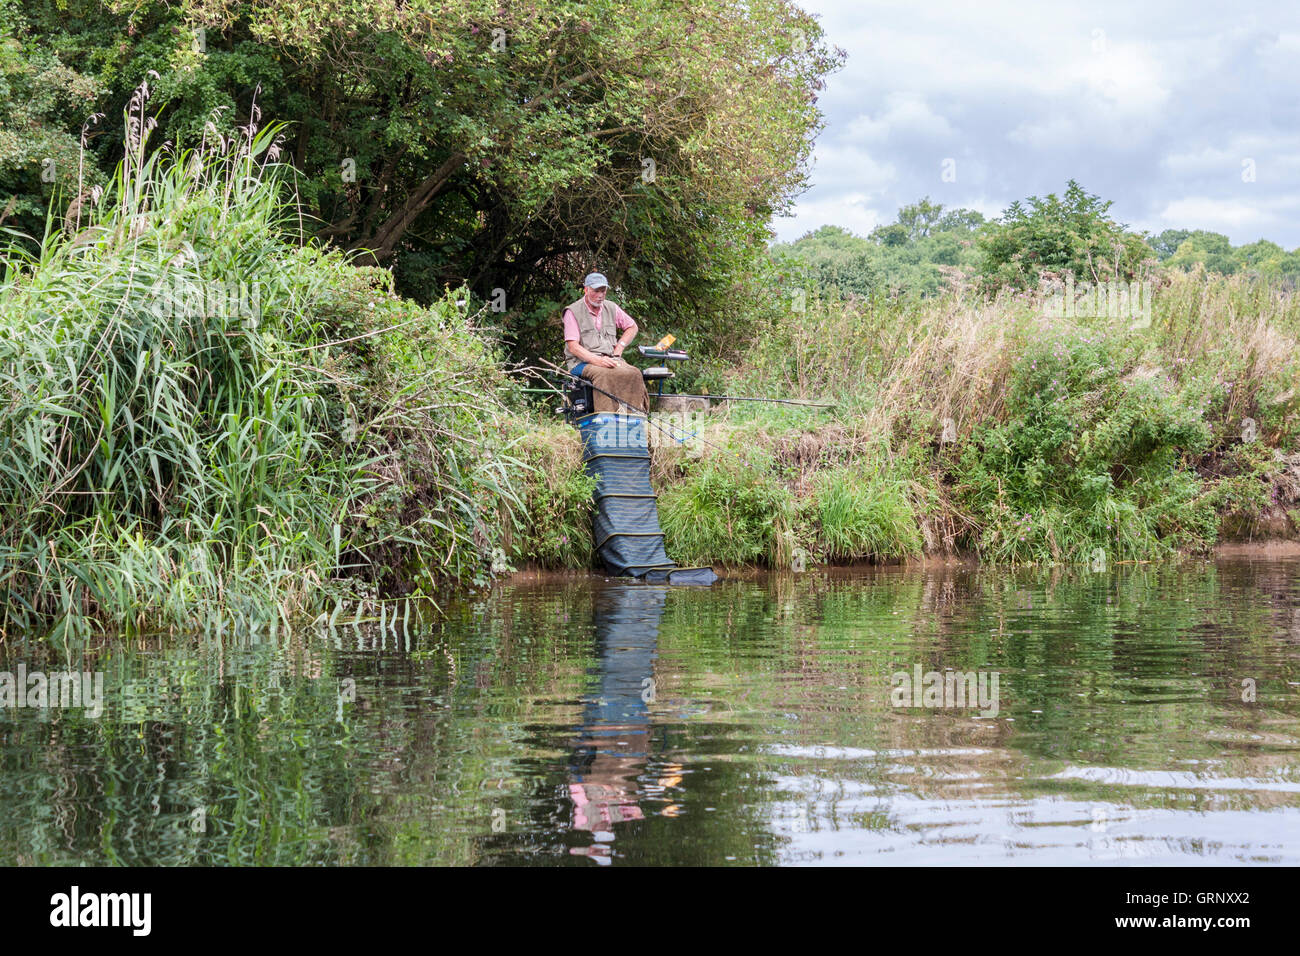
[
  {"x": 994, "y": 427},
  {"x": 989, "y": 427},
  {"x": 1267, "y": 550},
  {"x": 214, "y": 423}
]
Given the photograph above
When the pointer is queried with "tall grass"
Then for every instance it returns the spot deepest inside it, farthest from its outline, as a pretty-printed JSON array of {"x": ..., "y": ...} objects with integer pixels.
[
  {"x": 1028, "y": 437},
  {"x": 863, "y": 514},
  {"x": 727, "y": 511},
  {"x": 203, "y": 420}
]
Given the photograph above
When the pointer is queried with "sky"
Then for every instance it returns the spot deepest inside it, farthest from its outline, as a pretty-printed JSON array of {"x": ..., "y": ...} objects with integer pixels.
[{"x": 1186, "y": 115}]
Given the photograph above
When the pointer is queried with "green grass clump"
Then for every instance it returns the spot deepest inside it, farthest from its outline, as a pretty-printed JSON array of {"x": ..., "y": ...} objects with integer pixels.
[
  {"x": 553, "y": 527},
  {"x": 727, "y": 511},
  {"x": 860, "y": 514}
]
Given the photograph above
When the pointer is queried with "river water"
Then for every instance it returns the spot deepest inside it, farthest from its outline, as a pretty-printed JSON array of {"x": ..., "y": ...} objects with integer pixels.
[{"x": 1143, "y": 715}]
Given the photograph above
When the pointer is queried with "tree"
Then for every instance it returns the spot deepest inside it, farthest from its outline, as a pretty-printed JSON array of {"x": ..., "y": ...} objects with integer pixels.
[
  {"x": 43, "y": 107},
  {"x": 1167, "y": 243},
  {"x": 903, "y": 257},
  {"x": 1068, "y": 234},
  {"x": 832, "y": 259},
  {"x": 504, "y": 147},
  {"x": 960, "y": 220},
  {"x": 895, "y": 234},
  {"x": 1213, "y": 250},
  {"x": 920, "y": 218}
]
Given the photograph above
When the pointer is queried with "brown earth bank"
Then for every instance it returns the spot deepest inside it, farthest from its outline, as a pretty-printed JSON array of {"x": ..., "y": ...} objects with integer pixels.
[
  {"x": 1270, "y": 548},
  {"x": 1257, "y": 549}
]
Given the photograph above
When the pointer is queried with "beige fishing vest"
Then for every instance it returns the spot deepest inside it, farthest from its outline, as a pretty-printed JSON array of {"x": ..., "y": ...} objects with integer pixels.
[{"x": 602, "y": 340}]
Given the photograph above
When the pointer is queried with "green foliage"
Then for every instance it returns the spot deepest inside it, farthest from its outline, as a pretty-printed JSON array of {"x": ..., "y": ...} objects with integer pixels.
[
  {"x": 43, "y": 105},
  {"x": 1246, "y": 489},
  {"x": 1069, "y": 234},
  {"x": 727, "y": 512},
  {"x": 201, "y": 421},
  {"x": 553, "y": 527},
  {"x": 832, "y": 261},
  {"x": 1187, "y": 249},
  {"x": 1210, "y": 249},
  {"x": 498, "y": 147}
]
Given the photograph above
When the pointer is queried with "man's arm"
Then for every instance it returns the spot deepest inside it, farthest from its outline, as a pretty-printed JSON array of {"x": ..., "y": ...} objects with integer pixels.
[
  {"x": 628, "y": 325},
  {"x": 625, "y": 340}
]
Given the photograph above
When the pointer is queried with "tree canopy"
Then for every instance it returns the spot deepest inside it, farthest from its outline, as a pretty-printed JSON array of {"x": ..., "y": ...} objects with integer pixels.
[
  {"x": 1072, "y": 233},
  {"x": 909, "y": 255},
  {"x": 507, "y": 147}
]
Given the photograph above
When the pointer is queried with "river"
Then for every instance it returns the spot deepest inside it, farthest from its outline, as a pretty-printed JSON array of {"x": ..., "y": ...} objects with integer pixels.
[{"x": 1142, "y": 715}]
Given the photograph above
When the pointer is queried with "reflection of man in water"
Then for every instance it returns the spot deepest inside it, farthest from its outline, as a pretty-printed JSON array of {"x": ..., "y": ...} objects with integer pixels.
[{"x": 614, "y": 740}]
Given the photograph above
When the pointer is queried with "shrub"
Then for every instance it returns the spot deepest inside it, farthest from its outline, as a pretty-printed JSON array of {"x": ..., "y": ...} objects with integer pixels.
[{"x": 728, "y": 512}]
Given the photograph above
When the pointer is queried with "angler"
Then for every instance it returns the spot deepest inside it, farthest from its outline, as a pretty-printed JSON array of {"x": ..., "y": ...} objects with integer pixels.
[
  {"x": 608, "y": 401},
  {"x": 594, "y": 348},
  {"x": 611, "y": 408}
]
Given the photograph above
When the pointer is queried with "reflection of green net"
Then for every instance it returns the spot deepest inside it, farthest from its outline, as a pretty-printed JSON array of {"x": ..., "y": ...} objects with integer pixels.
[{"x": 626, "y": 521}]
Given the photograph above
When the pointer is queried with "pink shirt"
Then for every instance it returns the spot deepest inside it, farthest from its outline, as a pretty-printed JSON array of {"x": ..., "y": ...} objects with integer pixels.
[{"x": 621, "y": 321}]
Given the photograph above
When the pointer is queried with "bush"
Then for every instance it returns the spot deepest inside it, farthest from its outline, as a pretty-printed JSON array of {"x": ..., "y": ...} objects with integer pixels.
[
  {"x": 176, "y": 457},
  {"x": 860, "y": 514},
  {"x": 727, "y": 512},
  {"x": 1093, "y": 453},
  {"x": 1072, "y": 234}
]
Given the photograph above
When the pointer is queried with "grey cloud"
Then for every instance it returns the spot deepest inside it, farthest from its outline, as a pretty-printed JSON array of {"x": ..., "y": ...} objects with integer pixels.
[{"x": 1155, "y": 107}]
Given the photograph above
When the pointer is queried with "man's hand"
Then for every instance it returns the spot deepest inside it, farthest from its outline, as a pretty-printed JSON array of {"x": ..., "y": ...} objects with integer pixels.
[{"x": 604, "y": 362}]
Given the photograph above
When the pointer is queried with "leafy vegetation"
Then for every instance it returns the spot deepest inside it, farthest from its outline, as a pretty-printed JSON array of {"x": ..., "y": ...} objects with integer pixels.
[
  {"x": 203, "y": 421},
  {"x": 727, "y": 511},
  {"x": 988, "y": 425},
  {"x": 505, "y": 149},
  {"x": 861, "y": 515}
]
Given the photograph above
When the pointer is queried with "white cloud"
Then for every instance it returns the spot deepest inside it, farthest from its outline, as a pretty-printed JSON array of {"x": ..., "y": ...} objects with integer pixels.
[
  {"x": 852, "y": 168},
  {"x": 1126, "y": 79},
  {"x": 854, "y": 212},
  {"x": 906, "y": 115},
  {"x": 1152, "y": 106},
  {"x": 1052, "y": 133},
  {"x": 1217, "y": 215}
]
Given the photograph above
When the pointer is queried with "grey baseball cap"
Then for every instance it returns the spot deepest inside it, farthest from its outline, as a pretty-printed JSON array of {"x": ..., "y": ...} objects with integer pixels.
[{"x": 596, "y": 281}]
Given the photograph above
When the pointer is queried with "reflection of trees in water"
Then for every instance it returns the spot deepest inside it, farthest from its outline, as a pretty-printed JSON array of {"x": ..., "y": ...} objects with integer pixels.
[
  {"x": 480, "y": 716},
  {"x": 192, "y": 761}
]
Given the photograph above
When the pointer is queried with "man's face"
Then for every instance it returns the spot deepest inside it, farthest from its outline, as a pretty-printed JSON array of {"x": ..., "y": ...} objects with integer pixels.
[{"x": 596, "y": 296}]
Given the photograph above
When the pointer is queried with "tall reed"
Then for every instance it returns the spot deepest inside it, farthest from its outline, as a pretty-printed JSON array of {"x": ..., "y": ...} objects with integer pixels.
[{"x": 203, "y": 420}]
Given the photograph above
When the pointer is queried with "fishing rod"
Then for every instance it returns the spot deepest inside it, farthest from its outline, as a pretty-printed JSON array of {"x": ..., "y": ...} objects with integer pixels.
[
  {"x": 751, "y": 398},
  {"x": 728, "y": 398}
]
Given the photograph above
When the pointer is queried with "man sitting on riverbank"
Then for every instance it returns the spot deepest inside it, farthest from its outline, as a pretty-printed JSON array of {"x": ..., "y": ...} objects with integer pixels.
[{"x": 594, "y": 348}]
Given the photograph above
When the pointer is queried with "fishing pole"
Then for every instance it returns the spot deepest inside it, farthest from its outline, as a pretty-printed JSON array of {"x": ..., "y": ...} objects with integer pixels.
[
  {"x": 751, "y": 398},
  {"x": 729, "y": 398}
]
